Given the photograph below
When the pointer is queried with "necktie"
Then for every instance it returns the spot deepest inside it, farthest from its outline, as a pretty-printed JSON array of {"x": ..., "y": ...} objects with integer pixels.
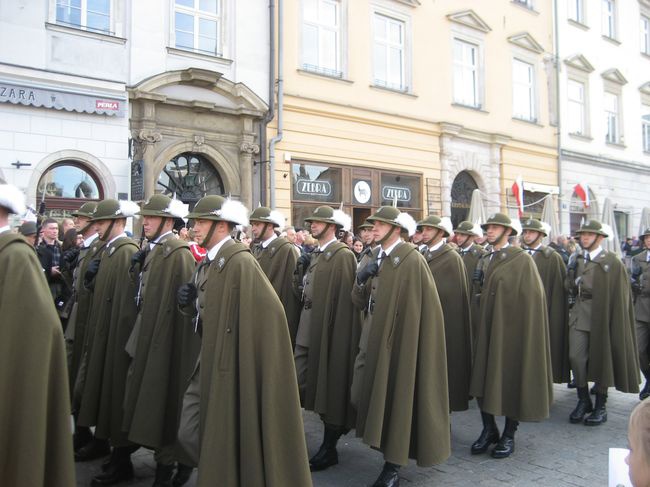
[{"x": 588, "y": 257}]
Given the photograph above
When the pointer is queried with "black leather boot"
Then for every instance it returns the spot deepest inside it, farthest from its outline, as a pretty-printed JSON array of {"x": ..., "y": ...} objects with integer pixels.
[
  {"x": 163, "y": 475},
  {"x": 506, "y": 445},
  {"x": 91, "y": 451},
  {"x": 81, "y": 437},
  {"x": 326, "y": 456},
  {"x": 599, "y": 414},
  {"x": 489, "y": 435},
  {"x": 389, "y": 476},
  {"x": 119, "y": 470},
  {"x": 183, "y": 474},
  {"x": 583, "y": 407},
  {"x": 645, "y": 392}
]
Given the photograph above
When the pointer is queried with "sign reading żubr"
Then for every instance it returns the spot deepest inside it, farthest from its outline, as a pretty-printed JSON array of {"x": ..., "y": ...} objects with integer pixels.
[
  {"x": 314, "y": 187},
  {"x": 396, "y": 192}
]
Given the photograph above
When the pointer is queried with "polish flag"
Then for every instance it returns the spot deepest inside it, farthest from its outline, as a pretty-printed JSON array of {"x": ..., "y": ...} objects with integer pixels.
[
  {"x": 518, "y": 192},
  {"x": 582, "y": 190}
]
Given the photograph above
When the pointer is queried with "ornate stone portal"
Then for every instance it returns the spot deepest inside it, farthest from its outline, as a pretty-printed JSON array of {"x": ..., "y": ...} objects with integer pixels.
[{"x": 200, "y": 113}]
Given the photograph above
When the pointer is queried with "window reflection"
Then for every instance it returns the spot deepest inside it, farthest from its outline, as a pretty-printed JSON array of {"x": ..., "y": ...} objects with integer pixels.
[{"x": 66, "y": 181}]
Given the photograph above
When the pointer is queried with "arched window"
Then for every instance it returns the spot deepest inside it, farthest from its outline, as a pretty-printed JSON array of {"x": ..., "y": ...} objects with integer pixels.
[
  {"x": 189, "y": 177},
  {"x": 66, "y": 186},
  {"x": 461, "y": 196}
]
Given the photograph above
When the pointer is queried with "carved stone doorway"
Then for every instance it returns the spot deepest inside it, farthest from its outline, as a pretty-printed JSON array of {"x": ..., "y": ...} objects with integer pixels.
[
  {"x": 461, "y": 196},
  {"x": 189, "y": 177}
]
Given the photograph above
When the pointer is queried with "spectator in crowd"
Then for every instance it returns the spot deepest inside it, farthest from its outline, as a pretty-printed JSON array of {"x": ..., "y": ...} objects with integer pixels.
[
  {"x": 357, "y": 247},
  {"x": 28, "y": 231},
  {"x": 197, "y": 251},
  {"x": 66, "y": 224},
  {"x": 49, "y": 253},
  {"x": 184, "y": 234},
  {"x": 348, "y": 239},
  {"x": 638, "y": 435}
]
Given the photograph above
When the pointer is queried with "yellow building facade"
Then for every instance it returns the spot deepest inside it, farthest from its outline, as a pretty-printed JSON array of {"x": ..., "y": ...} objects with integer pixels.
[{"x": 415, "y": 101}]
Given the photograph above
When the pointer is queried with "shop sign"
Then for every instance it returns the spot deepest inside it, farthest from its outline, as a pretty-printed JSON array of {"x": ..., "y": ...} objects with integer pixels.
[
  {"x": 362, "y": 192},
  {"x": 396, "y": 193},
  {"x": 314, "y": 187},
  {"x": 60, "y": 100}
]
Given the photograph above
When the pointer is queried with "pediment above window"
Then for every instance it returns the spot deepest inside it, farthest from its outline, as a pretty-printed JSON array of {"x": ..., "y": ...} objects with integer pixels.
[
  {"x": 615, "y": 76},
  {"x": 526, "y": 41},
  {"x": 578, "y": 61},
  {"x": 645, "y": 88},
  {"x": 469, "y": 18},
  {"x": 410, "y": 3}
]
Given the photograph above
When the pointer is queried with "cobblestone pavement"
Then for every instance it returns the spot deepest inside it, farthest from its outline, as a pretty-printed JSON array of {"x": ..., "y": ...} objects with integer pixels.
[{"x": 553, "y": 453}]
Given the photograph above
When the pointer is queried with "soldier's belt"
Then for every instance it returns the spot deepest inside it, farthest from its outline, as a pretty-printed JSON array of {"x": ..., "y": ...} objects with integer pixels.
[
  {"x": 307, "y": 304},
  {"x": 585, "y": 295}
]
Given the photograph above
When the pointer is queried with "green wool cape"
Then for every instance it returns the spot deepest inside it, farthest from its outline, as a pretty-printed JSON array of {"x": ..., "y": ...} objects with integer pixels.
[
  {"x": 251, "y": 430},
  {"x": 449, "y": 275},
  {"x": 613, "y": 356},
  {"x": 552, "y": 271},
  {"x": 165, "y": 345},
  {"x": 334, "y": 336},
  {"x": 112, "y": 314},
  {"x": 35, "y": 433},
  {"x": 512, "y": 373},
  {"x": 278, "y": 262},
  {"x": 471, "y": 259},
  {"x": 77, "y": 324},
  {"x": 403, "y": 408}
]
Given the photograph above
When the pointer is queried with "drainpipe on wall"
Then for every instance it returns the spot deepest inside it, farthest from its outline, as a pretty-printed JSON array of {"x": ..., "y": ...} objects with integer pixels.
[
  {"x": 556, "y": 60},
  {"x": 278, "y": 137},
  {"x": 271, "y": 112}
]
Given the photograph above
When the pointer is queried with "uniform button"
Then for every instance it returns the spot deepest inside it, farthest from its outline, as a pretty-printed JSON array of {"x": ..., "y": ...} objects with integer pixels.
[
  {"x": 201, "y": 306},
  {"x": 228, "y": 330}
]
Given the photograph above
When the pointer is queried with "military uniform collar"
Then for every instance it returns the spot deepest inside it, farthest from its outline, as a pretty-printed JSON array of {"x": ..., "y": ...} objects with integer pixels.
[
  {"x": 4, "y": 229},
  {"x": 114, "y": 239},
  {"x": 322, "y": 248},
  {"x": 268, "y": 241},
  {"x": 435, "y": 247},
  {"x": 89, "y": 241},
  {"x": 391, "y": 248},
  {"x": 212, "y": 253},
  {"x": 595, "y": 253},
  {"x": 162, "y": 237}
]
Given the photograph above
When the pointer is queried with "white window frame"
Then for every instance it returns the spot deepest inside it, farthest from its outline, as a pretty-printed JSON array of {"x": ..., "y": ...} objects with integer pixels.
[
  {"x": 83, "y": 25},
  {"x": 645, "y": 34},
  {"x": 582, "y": 104},
  {"x": 645, "y": 127},
  {"x": 474, "y": 71},
  {"x": 576, "y": 11},
  {"x": 524, "y": 3},
  {"x": 609, "y": 18},
  {"x": 405, "y": 20},
  {"x": 339, "y": 70},
  {"x": 197, "y": 15},
  {"x": 613, "y": 129},
  {"x": 530, "y": 86}
]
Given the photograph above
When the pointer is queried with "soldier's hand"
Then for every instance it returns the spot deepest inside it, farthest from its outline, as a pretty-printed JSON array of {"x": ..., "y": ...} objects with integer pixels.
[
  {"x": 137, "y": 259},
  {"x": 186, "y": 294},
  {"x": 91, "y": 272},
  {"x": 304, "y": 260},
  {"x": 636, "y": 288},
  {"x": 371, "y": 269},
  {"x": 478, "y": 275}
]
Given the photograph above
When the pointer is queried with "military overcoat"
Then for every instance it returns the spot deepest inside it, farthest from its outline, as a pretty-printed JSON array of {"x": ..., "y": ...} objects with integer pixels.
[
  {"x": 166, "y": 347},
  {"x": 334, "y": 336},
  {"x": 512, "y": 374},
  {"x": 113, "y": 312},
  {"x": 278, "y": 261},
  {"x": 403, "y": 408},
  {"x": 471, "y": 258},
  {"x": 449, "y": 275},
  {"x": 35, "y": 434},
  {"x": 552, "y": 271},
  {"x": 251, "y": 430}
]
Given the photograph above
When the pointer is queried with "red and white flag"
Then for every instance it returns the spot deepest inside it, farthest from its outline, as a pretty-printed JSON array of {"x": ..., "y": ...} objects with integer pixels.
[
  {"x": 518, "y": 192},
  {"x": 582, "y": 191}
]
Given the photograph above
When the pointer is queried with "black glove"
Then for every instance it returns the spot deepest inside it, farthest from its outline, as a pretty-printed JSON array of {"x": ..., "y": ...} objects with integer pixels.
[
  {"x": 70, "y": 256},
  {"x": 304, "y": 260},
  {"x": 478, "y": 275},
  {"x": 371, "y": 269},
  {"x": 186, "y": 294},
  {"x": 636, "y": 288},
  {"x": 91, "y": 272},
  {"x": 138, "y": 259}
]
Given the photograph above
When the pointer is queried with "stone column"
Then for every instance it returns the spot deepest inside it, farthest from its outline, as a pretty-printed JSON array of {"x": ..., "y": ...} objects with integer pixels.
[
  {"x": 144, "y": 141},
  {"x": 247, "y": 149}
]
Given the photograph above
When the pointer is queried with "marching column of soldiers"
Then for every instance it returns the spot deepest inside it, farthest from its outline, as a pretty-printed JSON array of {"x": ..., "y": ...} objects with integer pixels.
[{"x": 209, "y": 365}]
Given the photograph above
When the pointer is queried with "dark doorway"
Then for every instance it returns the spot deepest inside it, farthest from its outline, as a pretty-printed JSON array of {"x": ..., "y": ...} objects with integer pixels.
[
  {"x": 189, "y": 177},
  {"x": 461, "y": 196},
  {"x": 359, "y": 215}
]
